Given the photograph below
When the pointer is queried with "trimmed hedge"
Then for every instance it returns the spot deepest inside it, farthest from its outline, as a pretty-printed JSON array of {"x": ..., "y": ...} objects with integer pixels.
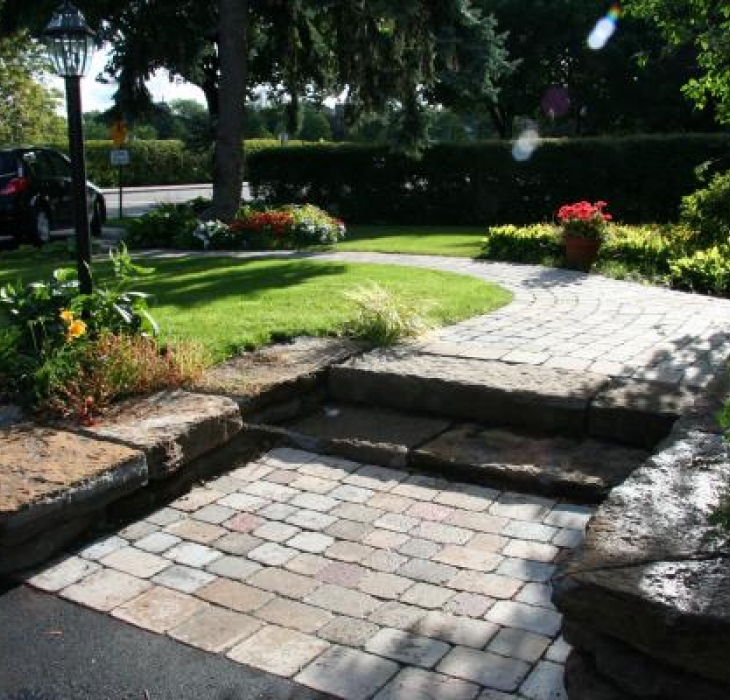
[
  {"x": 157, "y": 162},
  {"x": 642, "y": 177}
]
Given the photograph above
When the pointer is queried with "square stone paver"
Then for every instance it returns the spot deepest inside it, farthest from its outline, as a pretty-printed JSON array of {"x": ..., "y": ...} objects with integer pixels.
[
  {"x": 102, "y": 547},
  {"x": 230, "y": 566},
  {"x": 311, "y": 542},
  {"x": 215, "y": 629},
  {"x": 519, "y": 644},
  {"x": 183, "y": 578},
  {"x": 484, "y": 668},
  {"x": 298, "y": 616},
  {"x": 193, "y": 554},
  {"x": 348, "y": 631},
  {"x": 214, "y": 514},
  {"x": 272, "y": 554},
  {"x": 525, "y": 617},
  {"x": 157, "y": 542},
  {"x": 545, "y": 682},
  {"x": 277, "y": 650},
  {"x": 343, "y": 601},
  {"x": 407, "y": 648},
  {"x": 456, "y": 630},
  {"x": 426, "y": 595},
  {"x": 235, "y": 596},
  {"x": 159, "y": 609},
  {"x": 283, "y": 582},
  {"x": 384, "y": 585},
  {"x": 427, "y": 590},
  {"x": 63, "y": 574},
  {"x": 418, "y": 684},
  {"x": 348, "y": 673},
  {"x": 106, "y": 589},
  {"x": 135, "y": 562},
  {"x": 196, "y": 531}
]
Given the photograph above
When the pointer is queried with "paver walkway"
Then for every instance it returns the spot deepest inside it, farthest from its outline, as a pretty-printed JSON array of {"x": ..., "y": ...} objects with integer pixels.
[
  {"x": 573, "y": 321},
  {"x": 352, "y": 579}
]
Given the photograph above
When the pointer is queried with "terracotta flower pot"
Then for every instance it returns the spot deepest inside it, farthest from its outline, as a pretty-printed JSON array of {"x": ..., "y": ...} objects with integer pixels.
[{"x": 581, "y": 253}]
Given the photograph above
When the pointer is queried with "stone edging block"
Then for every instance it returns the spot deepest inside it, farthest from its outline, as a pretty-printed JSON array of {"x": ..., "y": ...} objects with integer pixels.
[{"x": 172, "y": 428}]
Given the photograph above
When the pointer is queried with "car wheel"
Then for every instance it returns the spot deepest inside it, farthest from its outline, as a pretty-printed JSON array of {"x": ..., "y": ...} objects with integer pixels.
[
  {"x": 96, "y": 220},
  {"x": 41, "y": 227}
]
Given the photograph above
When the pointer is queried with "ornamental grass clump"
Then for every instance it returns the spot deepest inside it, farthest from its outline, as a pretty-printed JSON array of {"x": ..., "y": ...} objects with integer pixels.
[
  {"x": 382, "y": 318},
  {"x": 584, "y": 220}
]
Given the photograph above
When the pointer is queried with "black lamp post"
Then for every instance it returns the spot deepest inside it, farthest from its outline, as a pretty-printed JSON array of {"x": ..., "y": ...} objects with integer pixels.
[{"x": 70, "y": 45}]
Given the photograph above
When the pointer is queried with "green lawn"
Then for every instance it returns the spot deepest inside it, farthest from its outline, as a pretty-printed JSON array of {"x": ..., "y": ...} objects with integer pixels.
[
  {"x": 457, "y": 241},
  {"x": 230, "y": 304}
]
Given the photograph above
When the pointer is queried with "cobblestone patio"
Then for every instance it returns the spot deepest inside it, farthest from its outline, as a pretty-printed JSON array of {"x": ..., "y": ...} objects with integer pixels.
[{"x": 351, "y": 579}]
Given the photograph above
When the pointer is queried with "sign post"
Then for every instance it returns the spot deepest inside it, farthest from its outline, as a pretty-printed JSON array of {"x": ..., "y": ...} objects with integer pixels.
[{"x": 119, "y": 157}]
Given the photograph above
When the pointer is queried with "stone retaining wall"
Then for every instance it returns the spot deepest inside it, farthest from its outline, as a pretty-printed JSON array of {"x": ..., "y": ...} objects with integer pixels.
[{"x": 646, "y": 601}]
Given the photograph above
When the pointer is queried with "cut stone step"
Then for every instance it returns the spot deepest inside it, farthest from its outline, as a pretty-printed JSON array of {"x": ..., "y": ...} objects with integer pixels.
[
  {"x": 277, "y": 381},
  {"x": 543, "y": 400},
  {"x": 536, "y": 399},
  {"x": 582, "y": 469}
]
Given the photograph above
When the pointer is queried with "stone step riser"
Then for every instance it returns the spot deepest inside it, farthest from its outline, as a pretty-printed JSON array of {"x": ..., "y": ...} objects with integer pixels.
[
  {"x": 440, "y": 397},
  {"x": 418, "y": 460},
  {"x": 638, "y": 414}
]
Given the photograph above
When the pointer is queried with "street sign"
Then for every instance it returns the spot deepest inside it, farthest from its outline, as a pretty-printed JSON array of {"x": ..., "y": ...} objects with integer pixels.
[
  {"x": 118, "y": 133},
  {"x": 120, "y": 157}
]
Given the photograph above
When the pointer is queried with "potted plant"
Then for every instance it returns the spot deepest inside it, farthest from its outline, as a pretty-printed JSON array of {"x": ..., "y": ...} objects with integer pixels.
[{"x": 583, "y": 227}]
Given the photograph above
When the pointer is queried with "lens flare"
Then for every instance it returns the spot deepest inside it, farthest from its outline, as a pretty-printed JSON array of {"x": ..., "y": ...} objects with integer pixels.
[
  {"x": 525, "y": 146},
  {"x": 604, "y": 29}
]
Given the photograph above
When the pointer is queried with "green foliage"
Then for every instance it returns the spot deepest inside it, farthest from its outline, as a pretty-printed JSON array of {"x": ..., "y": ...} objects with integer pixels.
[
  {"x": 705, "y": 270},
  {"x": 648, "y": 252},
  {"x": 527, "y": 244},
  {"x": 383, "y": 318},
  {"x": 166, "y": 226},
  {"x": 257, "y": 227},
  {"x": 42, "y": 323},
  {"x": 644, "y": 179},
  {"x": 704, "y": 26},
  {"x": 27, "y": 107},
  {"x": 707, "y": 211},
  {"x": 151, "y": 163}
]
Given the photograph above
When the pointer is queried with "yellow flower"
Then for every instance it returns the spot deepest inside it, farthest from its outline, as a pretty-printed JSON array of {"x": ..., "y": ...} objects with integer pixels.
[
  {"x": 75, "y": 330},
  {"x": 66, "y": 316}
]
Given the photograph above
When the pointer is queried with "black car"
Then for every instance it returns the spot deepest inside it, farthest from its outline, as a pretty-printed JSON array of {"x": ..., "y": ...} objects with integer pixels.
[{"x": 36, "y": 195}]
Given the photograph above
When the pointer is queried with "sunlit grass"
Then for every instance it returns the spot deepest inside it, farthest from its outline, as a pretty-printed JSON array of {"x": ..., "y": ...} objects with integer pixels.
[{"x": 230, "y": 305}]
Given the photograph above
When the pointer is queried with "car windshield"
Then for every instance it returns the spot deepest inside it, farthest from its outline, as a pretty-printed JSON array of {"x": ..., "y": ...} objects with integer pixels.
[{"x": 8, "y": 164}]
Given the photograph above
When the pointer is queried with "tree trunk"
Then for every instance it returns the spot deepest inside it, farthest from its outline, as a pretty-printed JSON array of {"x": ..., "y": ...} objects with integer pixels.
[
  {"x": 228, "y": 158},
  {"x": 499, "y": 120}
]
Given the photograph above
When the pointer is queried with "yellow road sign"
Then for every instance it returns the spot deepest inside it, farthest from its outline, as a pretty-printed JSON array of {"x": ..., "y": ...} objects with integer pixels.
[{"x": 118, "y": 133}]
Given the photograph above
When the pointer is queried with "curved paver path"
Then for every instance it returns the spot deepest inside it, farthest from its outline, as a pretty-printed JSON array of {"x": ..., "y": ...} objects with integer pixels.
[{"x": 573, "y": 321}]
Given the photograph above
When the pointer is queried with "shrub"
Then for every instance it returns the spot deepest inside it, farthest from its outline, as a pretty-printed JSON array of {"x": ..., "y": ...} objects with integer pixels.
[
  {"x": 644, "y": 177},
  {"x": 382, "y": 318},
  {"x": 167, "y": 226},
  {"x": 539, "y": 243},
  {"x": 69, "y": 353},
  {"x": 84, "y": 379},
  {"x": 707, "y": 211},
  {"x": 706, "y": 271},
  {"x": 263, "y": 228}
]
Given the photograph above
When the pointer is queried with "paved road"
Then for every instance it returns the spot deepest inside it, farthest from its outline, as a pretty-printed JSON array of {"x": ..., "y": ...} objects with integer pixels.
[
  {"x": 138, "y": 200},
  {"x": 55, "y": 650}
]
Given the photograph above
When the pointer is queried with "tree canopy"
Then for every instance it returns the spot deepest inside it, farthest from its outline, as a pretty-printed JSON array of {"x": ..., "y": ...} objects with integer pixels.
[
  {"x": 27, "y": 106},
  {"x": 703, "y": 25}
]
